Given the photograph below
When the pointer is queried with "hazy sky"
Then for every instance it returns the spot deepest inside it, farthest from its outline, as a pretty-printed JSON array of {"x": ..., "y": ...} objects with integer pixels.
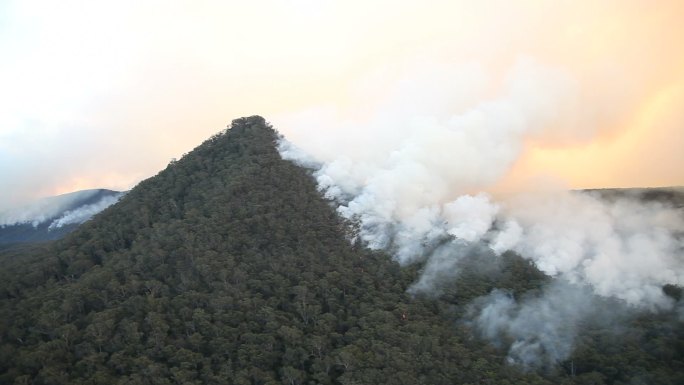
[{"x": 105, "y": 93}]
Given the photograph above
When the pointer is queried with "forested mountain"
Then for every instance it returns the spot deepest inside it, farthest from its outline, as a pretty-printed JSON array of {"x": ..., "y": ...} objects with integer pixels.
[
  {"x": 228, "y": 267},
  {"x": 54, "y": 217}
]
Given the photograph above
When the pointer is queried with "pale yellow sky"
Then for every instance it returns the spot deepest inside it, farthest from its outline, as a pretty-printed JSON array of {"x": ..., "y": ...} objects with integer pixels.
[{"x": 103, "y": 94}]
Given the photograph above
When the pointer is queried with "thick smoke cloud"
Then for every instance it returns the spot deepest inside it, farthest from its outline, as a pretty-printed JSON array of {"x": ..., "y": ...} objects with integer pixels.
[
  {"x": 424, "y": 159},
  {"x": 417, "y": 181},
  {"x": 624, "y": 249}
]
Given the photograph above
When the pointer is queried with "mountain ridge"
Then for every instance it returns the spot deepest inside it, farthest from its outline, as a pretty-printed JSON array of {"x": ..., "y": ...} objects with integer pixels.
[
  {"x": 228, "y": 266},
  {"x": 53, "y": 217}
]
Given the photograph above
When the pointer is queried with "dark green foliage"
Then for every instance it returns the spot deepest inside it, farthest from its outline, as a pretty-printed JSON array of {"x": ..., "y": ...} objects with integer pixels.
[
  {"x": 228, "y": 267},
  {"x": 26, "y": 232},
  {"x": 649, "y": 349}
]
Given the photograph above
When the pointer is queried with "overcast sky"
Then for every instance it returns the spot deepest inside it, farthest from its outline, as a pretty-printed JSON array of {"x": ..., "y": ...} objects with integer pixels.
[{"x": 104, "y": 93}]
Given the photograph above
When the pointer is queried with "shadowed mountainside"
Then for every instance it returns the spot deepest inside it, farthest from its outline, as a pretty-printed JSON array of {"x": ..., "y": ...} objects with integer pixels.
[{"x": 229, "y": 267}]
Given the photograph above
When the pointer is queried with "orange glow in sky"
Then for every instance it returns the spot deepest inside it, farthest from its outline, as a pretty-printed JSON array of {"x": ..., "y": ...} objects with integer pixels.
[{"x": 105, "y": 94}]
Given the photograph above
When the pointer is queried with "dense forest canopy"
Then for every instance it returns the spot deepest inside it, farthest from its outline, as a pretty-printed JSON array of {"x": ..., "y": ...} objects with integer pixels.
[{"x": 229, "y": 267}]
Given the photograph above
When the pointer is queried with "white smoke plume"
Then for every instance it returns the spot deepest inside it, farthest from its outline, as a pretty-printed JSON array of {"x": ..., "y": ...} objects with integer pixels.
[
  {"x": 624, "y": 249},
  {"x": 58, "y": 210},
  {"x": 42, "y": 210},
  {"x": 423, "y": 158},
  {"x": 414, "y": 176},
  {"x": 541, "y": 330},
  {"x": 85, "y": 212}
]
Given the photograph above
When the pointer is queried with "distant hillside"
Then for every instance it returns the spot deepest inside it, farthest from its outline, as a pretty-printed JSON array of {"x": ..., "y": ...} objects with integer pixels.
[
  {"x": 52, "y": 218},
  {"x": 673, "y": 196},
  {"x": 228, "y": 267}
]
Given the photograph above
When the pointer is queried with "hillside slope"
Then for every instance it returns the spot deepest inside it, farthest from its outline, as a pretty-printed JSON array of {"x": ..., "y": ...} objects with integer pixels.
[
  {"x": 227, "y": 267},
  {"x": 52, "y": 218}
]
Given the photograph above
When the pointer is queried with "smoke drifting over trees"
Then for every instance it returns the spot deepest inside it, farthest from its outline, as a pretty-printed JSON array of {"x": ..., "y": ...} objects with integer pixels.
[
  {"x": 52, "y": 218},
  {"x": 229, "y": 267},
  {"x": 61, "y": 210},
  {"x": 418, "y": 182}
]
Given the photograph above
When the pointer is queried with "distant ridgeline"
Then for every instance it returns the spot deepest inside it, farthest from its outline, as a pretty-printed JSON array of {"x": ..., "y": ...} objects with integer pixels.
[
  {"x": 673, "y": 196},
  {"x": 228, "y": 267},
  {"x": 52, "y": 218}
]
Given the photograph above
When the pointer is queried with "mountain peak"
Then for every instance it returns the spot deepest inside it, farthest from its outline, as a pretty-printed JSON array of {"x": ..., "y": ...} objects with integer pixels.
[
  {"x": 229, "y": 266},
  {"x": 226, "y": 267}
]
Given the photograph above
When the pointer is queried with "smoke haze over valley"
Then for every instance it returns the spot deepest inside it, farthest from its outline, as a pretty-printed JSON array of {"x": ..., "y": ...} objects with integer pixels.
[{"x": 51, "y": 218}]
